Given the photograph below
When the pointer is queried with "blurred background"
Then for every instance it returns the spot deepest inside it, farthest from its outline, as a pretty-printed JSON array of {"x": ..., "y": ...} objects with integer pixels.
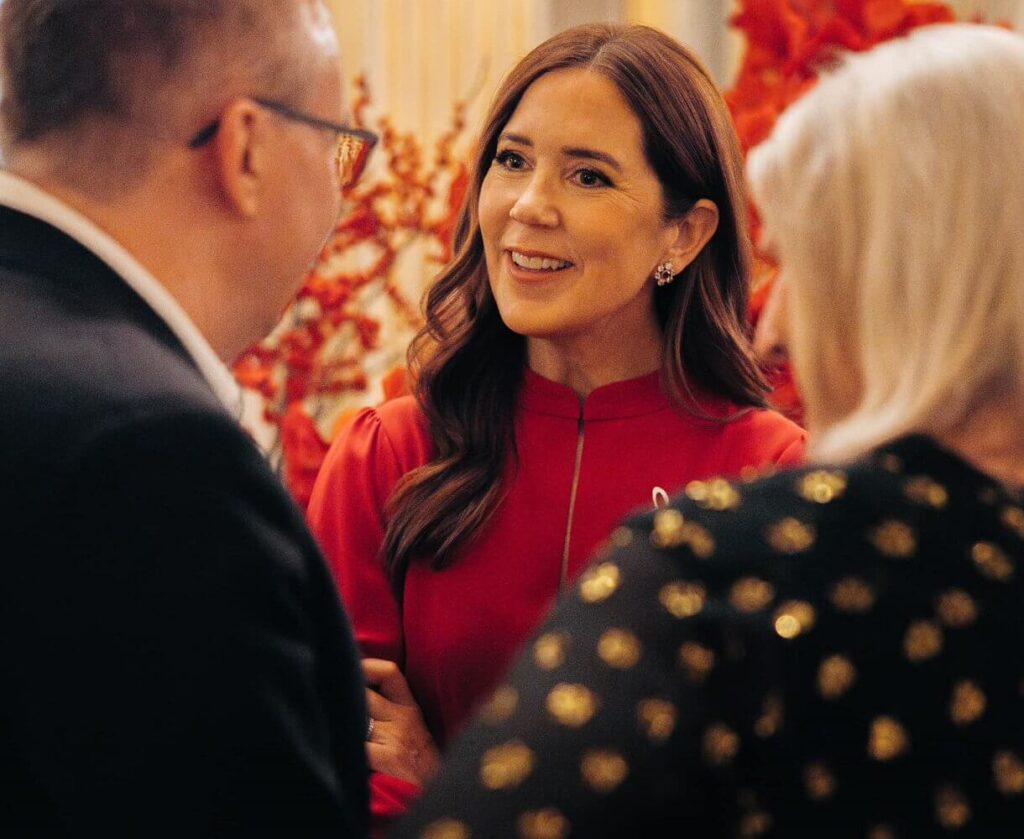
[
  {"x": 421, "y": 74},
  {"x": 420, "y": 56}
]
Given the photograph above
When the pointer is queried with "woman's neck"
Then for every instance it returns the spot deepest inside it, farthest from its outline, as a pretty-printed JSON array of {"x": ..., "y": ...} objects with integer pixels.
[
  {"x": 991, "y": 440},
  {"x": 586, "y": 366}
]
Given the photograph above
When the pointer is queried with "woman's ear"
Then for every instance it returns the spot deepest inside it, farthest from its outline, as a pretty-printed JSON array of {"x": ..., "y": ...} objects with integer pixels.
[
  {"x": 771, "y": 334},
  {"x": 240, "y": 155},
  {"x": 693, "y": 232}
]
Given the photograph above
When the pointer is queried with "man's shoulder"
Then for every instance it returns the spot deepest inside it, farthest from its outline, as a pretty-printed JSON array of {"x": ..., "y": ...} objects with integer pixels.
[
  {"x": 77, "y": 376},
  {"x": 75, "y": 362}
]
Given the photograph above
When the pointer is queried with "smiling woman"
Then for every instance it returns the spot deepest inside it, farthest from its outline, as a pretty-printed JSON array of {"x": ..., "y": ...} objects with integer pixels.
[
  {"x": 573, "y": 222},
  {"x": 585, "y": 352}
]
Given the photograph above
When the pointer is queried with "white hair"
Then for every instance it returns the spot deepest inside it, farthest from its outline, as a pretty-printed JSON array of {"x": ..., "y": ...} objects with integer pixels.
[{"x": 894, "y": 195}]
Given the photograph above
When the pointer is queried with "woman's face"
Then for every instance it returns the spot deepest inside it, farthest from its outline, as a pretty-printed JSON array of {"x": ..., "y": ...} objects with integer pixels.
[{"x": 571, "y": 214}]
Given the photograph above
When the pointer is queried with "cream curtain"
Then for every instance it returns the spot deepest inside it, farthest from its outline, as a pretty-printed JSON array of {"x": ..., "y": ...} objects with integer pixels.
[{"x": 421, "y": 56}]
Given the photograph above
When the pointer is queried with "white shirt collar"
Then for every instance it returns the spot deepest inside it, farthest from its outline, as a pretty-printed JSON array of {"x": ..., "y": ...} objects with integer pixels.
[{"x": 23, "y": 196}]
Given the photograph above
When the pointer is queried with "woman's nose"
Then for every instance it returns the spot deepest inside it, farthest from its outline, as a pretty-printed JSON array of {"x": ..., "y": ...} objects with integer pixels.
[{"x": 535, "y": 205}]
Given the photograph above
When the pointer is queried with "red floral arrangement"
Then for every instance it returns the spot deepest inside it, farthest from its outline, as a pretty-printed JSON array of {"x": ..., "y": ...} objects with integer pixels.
[
  {"x": 329, "y": 357},
  {"x": 788, "y": 43}
]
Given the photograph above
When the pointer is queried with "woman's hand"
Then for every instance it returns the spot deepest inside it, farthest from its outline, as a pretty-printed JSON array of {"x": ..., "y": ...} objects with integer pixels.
[{"x": 399, "y": 743}]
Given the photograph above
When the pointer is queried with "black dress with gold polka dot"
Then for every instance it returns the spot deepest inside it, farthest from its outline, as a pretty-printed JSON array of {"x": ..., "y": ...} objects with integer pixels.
[{"x": 829, "y": 652}]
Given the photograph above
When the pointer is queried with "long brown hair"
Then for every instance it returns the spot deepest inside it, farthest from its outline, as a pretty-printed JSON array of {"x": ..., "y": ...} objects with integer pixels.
[{"x": 469, "y": 366}]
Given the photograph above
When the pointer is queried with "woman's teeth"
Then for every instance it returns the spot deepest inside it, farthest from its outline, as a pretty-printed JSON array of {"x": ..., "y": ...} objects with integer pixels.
[{"x": 539, "y": 263}]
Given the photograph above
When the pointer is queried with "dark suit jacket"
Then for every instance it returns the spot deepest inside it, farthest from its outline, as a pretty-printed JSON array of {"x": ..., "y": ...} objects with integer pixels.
[{"x": 174, "y": 657}]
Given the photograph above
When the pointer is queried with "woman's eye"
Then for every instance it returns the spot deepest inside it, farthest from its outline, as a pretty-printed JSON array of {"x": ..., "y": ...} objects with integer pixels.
[
  {"x": 510, "y": 160},
  {"x": 590, "y": 178}
]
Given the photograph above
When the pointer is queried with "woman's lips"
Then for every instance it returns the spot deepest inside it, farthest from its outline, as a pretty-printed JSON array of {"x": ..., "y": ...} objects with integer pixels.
[{"x": 535, "y": 265}]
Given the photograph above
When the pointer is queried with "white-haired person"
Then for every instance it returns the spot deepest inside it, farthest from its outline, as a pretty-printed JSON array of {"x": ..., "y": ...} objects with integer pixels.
[{"x": 834, "y": 651}]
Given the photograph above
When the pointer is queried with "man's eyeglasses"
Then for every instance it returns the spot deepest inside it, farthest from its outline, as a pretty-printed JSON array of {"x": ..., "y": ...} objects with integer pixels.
[{"x": 353, "y": 144}]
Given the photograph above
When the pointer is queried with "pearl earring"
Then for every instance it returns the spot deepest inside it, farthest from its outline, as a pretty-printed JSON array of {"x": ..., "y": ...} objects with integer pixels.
[{"x": 664, "y": 274}]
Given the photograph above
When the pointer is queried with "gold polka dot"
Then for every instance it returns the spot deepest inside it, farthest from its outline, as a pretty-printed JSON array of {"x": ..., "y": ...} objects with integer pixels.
[
  {"x": 992, "y": 561},
  {"x": 891, "y": 463},
  {"x": 621, "y": 537},
  {"x": 572, "y": 705},
  {"x": 821, "y": 486},
  {"x": 603, "y": 769},
  {"x": 619, "y": 648},
  {"x": 500, "y": 706},
  {"x": 755, "y": 824},
  {"x": 682, "y": 599},
  {"x": 852, "y": 594},
  {"x": 1008, "y": 770},
  {"x": 894, "y": 539},
  {"x": 1013, "y": 518},
  {"x": 599, "y": 582},
  {"x": 923, "y": 490},
  {"x": 668, "y": 528},
  {"x": 749, "y": 594},
  {"x": 696, "y": 660},
  {"x": 887, "y": 739},
  {"x": 721, "y": 744},
  {"x": 951, "y": 808},
  {"x": 543, "y": 824},
  {"x": 671, "y": 530},
  {"x": 820, "y": 783},
  {"x": 956, "y": 608},
  {"x": 716, "y": 494},
  {"x": 794, "y": 617},
  {"x": 549, "y": 650},
  {"x": 771, "y": 717},
  {"x": 700, "y": 541},
  {"x": 506, "y": 766},
  {"x": 967, "y": 703},
  {"x": 881, "y": 831},
  {"x": 923, "y": 640},
  {"x": 445, "y": 829},
  {"x": 657, "y": 719},
  {"x": 790, "y": 536},
  {"x": 836, "y": 676}
]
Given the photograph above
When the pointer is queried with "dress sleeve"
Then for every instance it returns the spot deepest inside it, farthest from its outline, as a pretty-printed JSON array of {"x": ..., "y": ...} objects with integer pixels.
[
  {"x": 793, "y": 454},
  {"x": 346, "y": 513}
]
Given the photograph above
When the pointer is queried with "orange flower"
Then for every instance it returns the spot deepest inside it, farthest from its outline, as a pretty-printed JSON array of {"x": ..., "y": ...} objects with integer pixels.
[
  {"x": 304, "y": 452},
  {"x": 788, "y": 42},
  {"x": 254, "y": 374},
  {"x": 396, "y": 383}
]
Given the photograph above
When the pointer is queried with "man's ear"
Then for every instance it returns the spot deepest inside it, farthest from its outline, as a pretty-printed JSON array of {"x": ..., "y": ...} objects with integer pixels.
[
  {"x": 240, "y": 155},
  {"x": 693, "y": 232}
]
